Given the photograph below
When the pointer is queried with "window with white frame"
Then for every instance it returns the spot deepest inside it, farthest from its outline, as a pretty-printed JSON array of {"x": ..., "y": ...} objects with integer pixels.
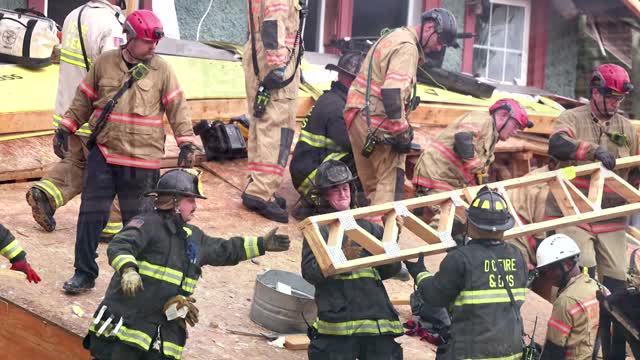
[{"x": 501, "y": 47}]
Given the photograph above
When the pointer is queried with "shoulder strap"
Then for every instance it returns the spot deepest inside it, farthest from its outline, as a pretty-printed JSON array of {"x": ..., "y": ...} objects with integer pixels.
[
  {"x": 84, "y": 51},
  {"x": 508, "y": 288},
  {"x": 254, "y": 56}
]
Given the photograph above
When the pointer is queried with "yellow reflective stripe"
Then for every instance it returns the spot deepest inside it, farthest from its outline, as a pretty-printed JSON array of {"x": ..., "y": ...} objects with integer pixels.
[
  {"x": 366, "y": 327},
  {"x": 421, "y": 276},
  {"x": 171, "y": 349},
  {"x": 187, "y": 230},
  {"x": 160, "y": 272},
  {"x": 359, "y": 274},
  {"x": 121, "y": 260},
  {"x": 73, "y": 58},
  {"x": 84, "y": 130},
  {"x": 508, "y": 357},
  {"x": 52, "y": 190},
  {"x": 56, "y": 120},
  {"x": 307, "y": 184},
  {"x": 189, "y": 284},
  {"x": 125, "y": 334},
  {"x": 476, "y": 297},
  {"x": 318, "y": 141},
  {"x": 251, "y": 249},
  {"x": 112, "y": 228},
  {"x": 12, "y": 250}
]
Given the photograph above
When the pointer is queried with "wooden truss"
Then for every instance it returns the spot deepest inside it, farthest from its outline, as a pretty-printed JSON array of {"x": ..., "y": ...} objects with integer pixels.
[{"x": 577, "y": 209}]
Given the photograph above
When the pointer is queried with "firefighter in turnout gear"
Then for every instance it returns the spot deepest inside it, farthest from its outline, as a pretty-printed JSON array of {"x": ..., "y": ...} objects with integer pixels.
[
  {"x": 483, "y": 284},
  {"x": 573, "y": 326},
  {"x": 10, "y": 248},
  {"x": 124, "y": 98},
  {"x": 381, "y": 98},
  {"x": 461, "y": 154},
  {"x": 158, "y": 258},
  {"x": 324, "y": 134},
  {"x": 271, "y": 69},
  {"x": 596, "y": 132},
  {"x": 356, "y": 319},
  {"x": 101, "y": 30}
]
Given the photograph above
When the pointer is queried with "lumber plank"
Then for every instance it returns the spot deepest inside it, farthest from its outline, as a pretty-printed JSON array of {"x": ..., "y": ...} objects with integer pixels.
[
  {"x": 33, "y": 337},
  {"x": 390, "y": 227},
  {"x": 581, "y": 201},
  {"x": 336, "y": 234},
  {"x": 10, "y": 274},
  {"x": 364, "y": 238},
  {"x": 400, "y": 299},
  {"x": 622, "y": 188},
  {"x": 596, "y": 188},
  {"x": 563, "y": 199},
  {"x": 447, "y": 215},
  {"x": 296, "y": 342}
]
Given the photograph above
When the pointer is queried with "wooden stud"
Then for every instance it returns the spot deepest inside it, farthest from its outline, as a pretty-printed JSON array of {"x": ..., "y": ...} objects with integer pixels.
[
  {"x": 420, "y": 228},
  {"x": 447, "y": 215},
  {"x": 296, "y": 342},
  {"x": 336, "y": 234},
  {"x": 400, "y": 299},
  {"x": 366, "y": 240},
  {"x": 622, "y": 188},
  {"x": 596, "y": 187},
  {"x": 581, "y": 201},
  {"x": 390, "y": 227},
  {"x": 563, "y": 199}
]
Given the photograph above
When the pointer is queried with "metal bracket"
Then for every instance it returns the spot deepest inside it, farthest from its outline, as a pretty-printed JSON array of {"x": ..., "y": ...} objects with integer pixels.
[
  {"x": 446, "y": 238},
  {"x": 401, "y": 209},
  {"x": 336, "y": 255},
  {"x": 391, "y": 248},
  {"x": 347, "y": 220},
  {"x": 456, "y": 199}
]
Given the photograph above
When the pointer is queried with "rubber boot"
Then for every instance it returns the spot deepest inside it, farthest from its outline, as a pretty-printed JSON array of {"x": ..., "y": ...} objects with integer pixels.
[
  {"x": 41, "y": 209},
  {"x": 269, "y": 209},
  {"x": 79, "y": 283}
]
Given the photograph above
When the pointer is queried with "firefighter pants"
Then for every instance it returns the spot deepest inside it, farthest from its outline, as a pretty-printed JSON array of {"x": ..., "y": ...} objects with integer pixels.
[
  {"x": 64, "y": 181},
  {"x": 382, "y": 173},
  {"x": 607, "y": 251},
  {"x": 329, "y": 347},
  {"x": 102, "y": 349},
  {"x": 102, "y": 182},
  {"x": 269, "y": 145}
]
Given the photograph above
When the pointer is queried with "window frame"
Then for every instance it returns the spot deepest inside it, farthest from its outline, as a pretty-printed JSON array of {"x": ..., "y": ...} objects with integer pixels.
[{"x": 526, "y": 4}]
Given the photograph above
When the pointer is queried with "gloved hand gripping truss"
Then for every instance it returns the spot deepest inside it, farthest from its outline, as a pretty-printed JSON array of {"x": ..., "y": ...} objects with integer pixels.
[
  {"x": 181, "y": 302},
  {"x": 415, "y": 268}
]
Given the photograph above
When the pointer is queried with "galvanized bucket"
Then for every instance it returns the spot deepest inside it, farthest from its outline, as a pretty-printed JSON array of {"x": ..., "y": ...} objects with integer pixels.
[{"x": 280, "y": 311}]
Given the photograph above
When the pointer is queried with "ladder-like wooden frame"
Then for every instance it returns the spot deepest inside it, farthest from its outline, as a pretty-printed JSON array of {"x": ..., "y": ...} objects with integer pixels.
[{"x": 576, "y": 207}]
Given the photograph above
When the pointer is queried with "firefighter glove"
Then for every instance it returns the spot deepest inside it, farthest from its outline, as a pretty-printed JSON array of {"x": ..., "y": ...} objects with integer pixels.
[
  {"x": 606, "y": 158},
  {"x": 131, "y": 282},
  {"x": 180, "y": 302},
  {"x": 276, "y": 242},
  {"x": 274, "y": 78},
  {"x": 25, "y": 267},
  {"x": 185, "y": 158},
  {"x": 415, "y": 268},
  {"x": 482, "y": 178},
  {"x": 61, "y": 142}
]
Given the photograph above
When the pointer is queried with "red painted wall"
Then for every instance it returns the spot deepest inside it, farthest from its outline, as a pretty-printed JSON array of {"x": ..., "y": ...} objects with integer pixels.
[
  {"x": 538, "y": 43},
  {"x": 36, "y": 5},
  {"x": 430, "y": 4},
  {"x": 467, "y": 52},
  {"x": 338, "y": 21},
  {"x": 146, "y": 4}
]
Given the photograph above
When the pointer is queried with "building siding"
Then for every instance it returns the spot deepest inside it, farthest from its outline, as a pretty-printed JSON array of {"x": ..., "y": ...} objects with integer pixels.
[
  {"x": 13, "y": 4},
  {"x": 453, "y": 57},
  {"x": 226, "y": 21},
  {"x": 562, "y": 55}
]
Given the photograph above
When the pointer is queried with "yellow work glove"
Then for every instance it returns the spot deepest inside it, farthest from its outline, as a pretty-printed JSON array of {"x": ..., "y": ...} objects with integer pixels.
[
  {"x": 131, "y": 282},
  {"x": 181, "y": 301}
]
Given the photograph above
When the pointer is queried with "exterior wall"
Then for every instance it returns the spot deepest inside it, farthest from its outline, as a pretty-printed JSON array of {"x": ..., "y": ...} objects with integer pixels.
[
  {"x": 12, "y": 4},
  {"x": 226, "y": 21},
  {"x": 453, "y": 57},
  {"x": 562, "y": 55}
]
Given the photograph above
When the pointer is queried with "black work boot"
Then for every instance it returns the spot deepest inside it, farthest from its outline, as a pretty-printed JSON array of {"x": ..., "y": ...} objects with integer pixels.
[
  {"x": 282, "y": 202},
  {"x": 269, "y": 209},
  {"x": 41, "y": 209},
  {"x": 403, "y": 274},
  {"x": 79, "y": 282}
]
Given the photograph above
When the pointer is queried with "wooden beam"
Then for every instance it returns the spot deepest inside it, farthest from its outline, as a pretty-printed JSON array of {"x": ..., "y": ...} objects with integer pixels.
[
  {"x": 296, "y": 342},
  {"x": 33, "y": 337},
  {"x": 581, "y": 201},
  {"x": 622, "y": 188},
  {"x": 400, "y": 299},
  {"x": 447, "y": 216},
  {"x": 563, "y": 199},
  {"x": 365, "y": 239},
  {"x": 390, "y": 227},
  {"x": 596, "y": 188},
  {"x": 336, "y": 235}
]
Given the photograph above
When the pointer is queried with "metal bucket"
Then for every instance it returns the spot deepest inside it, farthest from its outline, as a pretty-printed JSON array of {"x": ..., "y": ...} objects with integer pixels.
[{"x": 282, "y": 312}]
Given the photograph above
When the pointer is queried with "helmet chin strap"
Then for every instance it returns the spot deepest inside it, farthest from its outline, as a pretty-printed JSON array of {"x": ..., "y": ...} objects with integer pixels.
[{"x": 606, "y": 112}]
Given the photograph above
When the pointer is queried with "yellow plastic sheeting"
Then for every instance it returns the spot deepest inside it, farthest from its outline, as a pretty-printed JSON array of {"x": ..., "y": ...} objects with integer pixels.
[
  {"x": 27, "y": 90},
  {"x": 206, "y": 79},
  {"x": 436, "y": 94}
]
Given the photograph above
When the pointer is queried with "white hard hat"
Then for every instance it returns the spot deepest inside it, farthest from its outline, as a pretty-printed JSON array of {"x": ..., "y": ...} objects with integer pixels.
[{"x": 555, "y": 248}]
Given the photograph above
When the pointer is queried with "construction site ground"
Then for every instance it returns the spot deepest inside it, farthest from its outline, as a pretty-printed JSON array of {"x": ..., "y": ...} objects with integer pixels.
[{"x": 223, "y": 294}]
